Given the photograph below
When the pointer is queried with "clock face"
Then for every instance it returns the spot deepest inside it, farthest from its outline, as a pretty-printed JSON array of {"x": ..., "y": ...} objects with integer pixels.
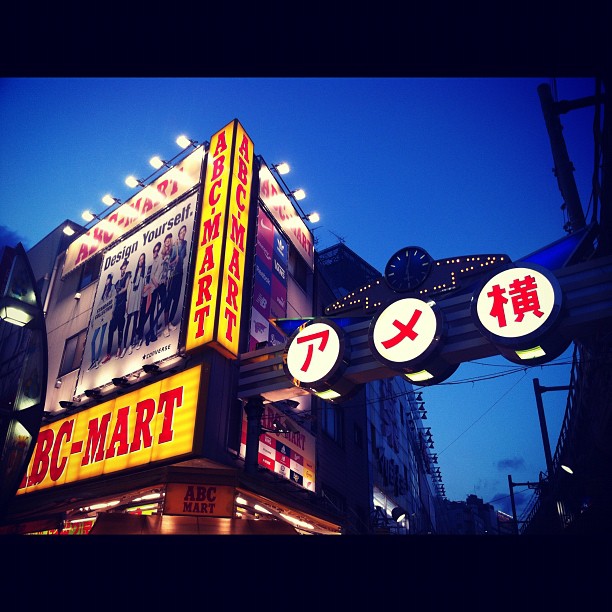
[{"x": 408, "y": 268}]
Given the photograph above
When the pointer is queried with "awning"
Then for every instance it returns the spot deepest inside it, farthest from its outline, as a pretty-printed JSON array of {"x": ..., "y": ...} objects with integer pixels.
[{"x": 109, "y": 523}]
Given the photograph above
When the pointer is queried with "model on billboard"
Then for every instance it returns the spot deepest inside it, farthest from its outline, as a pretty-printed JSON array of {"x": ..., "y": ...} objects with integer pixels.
[
  {"x": 118, "y": 318},
  {"x": 101, "y": 319},
  {"x": 154, "y": 283},
  {"x": 162, "y": 304},
  {"x": 177, "y": 256},
  {"x": 134, "y": 299}
]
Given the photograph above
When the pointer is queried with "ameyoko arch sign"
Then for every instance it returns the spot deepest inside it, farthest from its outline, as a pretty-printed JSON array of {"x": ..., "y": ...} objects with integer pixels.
[{"x": 517, "y": 309}]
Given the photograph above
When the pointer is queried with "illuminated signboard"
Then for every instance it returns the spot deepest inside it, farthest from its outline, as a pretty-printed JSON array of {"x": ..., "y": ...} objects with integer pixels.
[
  {"x": 269, "y": 284},
  {"x": 137, "y": 311},
  {"x": 407, "y": 335},
  {"x": 290, "y": 455},
  {"x": 153, "y": 198},
  {"x": 284, "y": 212},
  {"x": 316, "y": 358},
  {"x": 199, "y": 500},
  {"x": 216, "y": 303},
  {"x": 404, "y": 331},
  {"x": 154, "y": 423},
  {"x": 517, "y": 310}
]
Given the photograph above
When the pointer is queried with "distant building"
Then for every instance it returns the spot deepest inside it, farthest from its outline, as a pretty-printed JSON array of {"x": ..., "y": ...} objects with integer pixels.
[{"x": 471, "y": 517}]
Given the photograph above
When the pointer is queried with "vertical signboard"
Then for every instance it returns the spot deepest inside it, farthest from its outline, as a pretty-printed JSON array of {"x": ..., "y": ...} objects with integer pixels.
[
  {"x": 137, "y": 312},
  {"x": 269, "y": 283},
  {"x": 216, "y": 302}
]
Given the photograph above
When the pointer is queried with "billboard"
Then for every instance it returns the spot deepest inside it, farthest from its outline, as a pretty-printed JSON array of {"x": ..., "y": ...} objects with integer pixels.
[
  {"x": 153, "y": 423},
  {"x": 146, "y": 203},
  {"x": 137, "y": 310},
  {"x": 269, "y": 283},
  {"x": 290, "y": 455},
  {"x": 285, "y": 214},
  {"x": 216, "y": 303}
]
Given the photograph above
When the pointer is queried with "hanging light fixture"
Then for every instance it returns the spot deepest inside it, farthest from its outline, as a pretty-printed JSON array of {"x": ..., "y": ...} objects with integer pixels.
[
  {"x": 157, "y": 162},
  {"x": 109, "y": 200},
  {"x": 184, "y": 142},
  {"x": 282, "y": 167},
  {"x": 132, "y": 181}
]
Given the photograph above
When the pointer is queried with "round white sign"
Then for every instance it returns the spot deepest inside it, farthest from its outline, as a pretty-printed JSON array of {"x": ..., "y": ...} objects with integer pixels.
[
  {"x": 515, "y": 302},
  {"x": 404, "y": 330},
  {"x": 313, "y": 353}
]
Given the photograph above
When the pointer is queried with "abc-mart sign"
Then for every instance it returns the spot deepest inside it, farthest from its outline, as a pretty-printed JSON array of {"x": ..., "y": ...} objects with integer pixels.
[{"x": 517, "y": 310}]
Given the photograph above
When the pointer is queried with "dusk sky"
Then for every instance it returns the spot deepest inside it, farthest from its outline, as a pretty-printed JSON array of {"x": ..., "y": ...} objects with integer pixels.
[{"x": 458, "y": 166}]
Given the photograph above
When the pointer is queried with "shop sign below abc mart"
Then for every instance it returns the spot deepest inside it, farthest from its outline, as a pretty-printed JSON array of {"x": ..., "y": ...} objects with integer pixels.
[{"x": 518, "y": 311}]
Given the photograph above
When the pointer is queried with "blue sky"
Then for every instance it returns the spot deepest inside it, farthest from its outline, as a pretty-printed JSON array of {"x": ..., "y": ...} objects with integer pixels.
[{"x": 458, "y": 166}]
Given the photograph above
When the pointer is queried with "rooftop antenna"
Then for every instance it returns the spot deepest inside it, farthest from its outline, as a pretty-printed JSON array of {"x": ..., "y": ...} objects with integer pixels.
[{"x": 341, "y": 239}]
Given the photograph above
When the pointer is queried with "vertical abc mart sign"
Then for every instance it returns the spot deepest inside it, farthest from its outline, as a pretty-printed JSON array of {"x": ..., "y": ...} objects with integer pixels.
[
  {"x": 216, "y": 302},
  {"x": 517, "y": 310},
  {"x": 153, "y": 198}
]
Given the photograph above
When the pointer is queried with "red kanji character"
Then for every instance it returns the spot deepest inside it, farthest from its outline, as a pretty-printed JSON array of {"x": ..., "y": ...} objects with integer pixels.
[
  {"x": 524, "y": 294},
  {"x": 405, "y": 331},
  {"x": 323, "y": 336},
  {"x": 497, "y": 311}
]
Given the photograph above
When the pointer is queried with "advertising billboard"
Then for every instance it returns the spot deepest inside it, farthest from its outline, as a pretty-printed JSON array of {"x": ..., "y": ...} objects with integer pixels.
[
  {"x": 290, "y": 455},
  {"x": 153, "y": 423},
  {"x": 284, "y": 212},
  {"x": 138, "y": 307},
  {"x": 269, "y": 283},
  {"x": 146, "y": 203},
  {"x": 216, "y": 303}
]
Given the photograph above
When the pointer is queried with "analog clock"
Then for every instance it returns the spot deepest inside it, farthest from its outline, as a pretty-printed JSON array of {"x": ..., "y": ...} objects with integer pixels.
[{"x": 408, "y": 268}]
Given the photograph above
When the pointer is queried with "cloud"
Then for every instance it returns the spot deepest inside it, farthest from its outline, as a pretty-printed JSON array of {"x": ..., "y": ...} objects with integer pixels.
[
  {"x": 10, "y": 238},
  {"x": 511, "y": 464}
]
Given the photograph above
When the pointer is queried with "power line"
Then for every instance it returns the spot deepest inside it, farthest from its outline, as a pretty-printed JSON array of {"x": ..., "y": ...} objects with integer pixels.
[{"x": 485, "y": 412}]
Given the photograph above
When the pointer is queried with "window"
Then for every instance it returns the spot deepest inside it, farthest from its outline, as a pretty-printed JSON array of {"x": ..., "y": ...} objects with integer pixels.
[
  {"x": 298, "y": 269},
  {"x": 331, "y": 421},
  {"x": 73, "y": 353},
  {"x": 90, "y": 271}
]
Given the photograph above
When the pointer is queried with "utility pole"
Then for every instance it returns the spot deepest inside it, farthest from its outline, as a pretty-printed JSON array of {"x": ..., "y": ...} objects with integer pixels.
[
  {"x": 563, "y": 166},
  {"x": 539, "y": 389}
]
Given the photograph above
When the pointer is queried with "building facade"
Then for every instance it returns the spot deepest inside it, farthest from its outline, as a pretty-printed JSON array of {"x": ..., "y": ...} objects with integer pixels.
[{"x": 154, "y": 316}]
